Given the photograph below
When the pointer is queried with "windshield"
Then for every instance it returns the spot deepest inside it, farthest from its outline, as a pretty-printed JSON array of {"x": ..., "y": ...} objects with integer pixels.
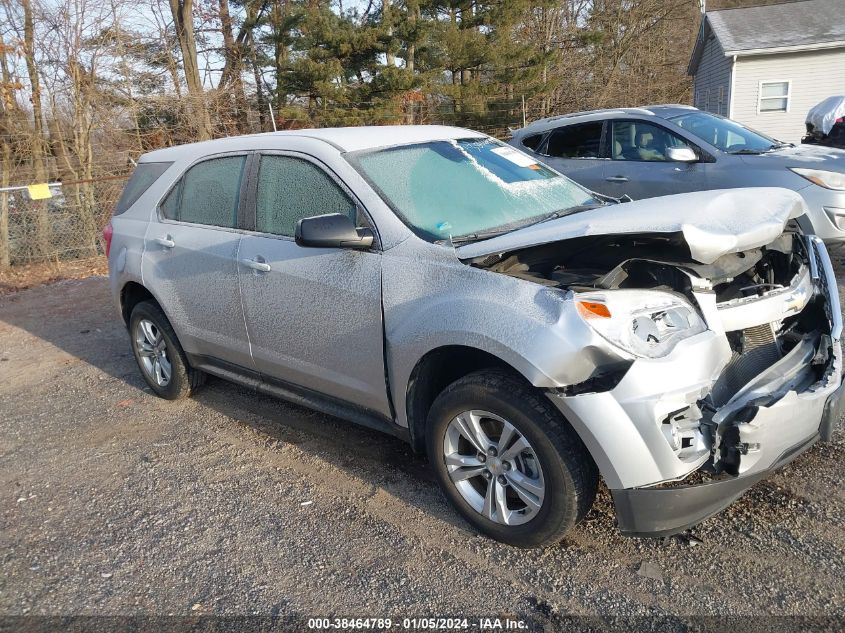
[
  {"x": 729, "y": 136},
  {"x": 468, "y": 187}
]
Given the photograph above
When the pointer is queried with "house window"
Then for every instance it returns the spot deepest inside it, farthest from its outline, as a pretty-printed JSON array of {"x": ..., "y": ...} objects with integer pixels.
[{"x": 774, "y": 96}]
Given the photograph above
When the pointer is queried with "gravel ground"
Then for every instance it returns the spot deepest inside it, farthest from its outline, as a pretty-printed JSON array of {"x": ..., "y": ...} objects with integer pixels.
[{"x": 117, "y": 502}]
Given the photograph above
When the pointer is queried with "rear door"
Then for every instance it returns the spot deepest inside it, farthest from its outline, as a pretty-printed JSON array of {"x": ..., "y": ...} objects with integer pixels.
[
  {"x": 190, "y": 259},
  {"x": 639, "y": 166},
  {"x": 313, "y": 314},
  {"x": 577, "y": 151}
]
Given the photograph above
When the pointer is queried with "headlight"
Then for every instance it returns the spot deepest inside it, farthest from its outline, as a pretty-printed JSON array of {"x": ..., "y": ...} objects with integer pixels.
[
  {"x": 827, "y": 179},
  {"x": 645, "y": 323}
]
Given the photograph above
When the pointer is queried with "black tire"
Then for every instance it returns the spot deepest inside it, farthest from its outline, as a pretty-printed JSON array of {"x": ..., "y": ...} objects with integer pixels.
[
  {"x": 183, "y": 379},
  {"x": 570, "y": 475}
]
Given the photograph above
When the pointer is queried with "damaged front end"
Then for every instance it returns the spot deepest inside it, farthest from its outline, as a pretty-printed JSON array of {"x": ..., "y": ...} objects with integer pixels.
[{"x": 745, "y": 372}]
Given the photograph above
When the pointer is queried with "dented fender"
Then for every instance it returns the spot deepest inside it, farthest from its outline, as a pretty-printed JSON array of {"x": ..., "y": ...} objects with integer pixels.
[{"x": 536, "y": 330}]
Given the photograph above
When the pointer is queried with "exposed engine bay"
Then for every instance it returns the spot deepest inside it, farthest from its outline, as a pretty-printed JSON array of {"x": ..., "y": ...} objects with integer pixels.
[{"x": 776, "y": 323}]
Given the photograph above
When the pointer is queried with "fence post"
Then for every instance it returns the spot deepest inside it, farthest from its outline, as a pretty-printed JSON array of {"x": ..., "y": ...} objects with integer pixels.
[{"x": 4, "y": 230}]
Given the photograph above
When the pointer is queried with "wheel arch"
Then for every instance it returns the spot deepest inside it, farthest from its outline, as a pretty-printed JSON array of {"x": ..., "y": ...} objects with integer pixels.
[
  {"x": 436, "y": 370},
  {"x": 131, "y": 294}
]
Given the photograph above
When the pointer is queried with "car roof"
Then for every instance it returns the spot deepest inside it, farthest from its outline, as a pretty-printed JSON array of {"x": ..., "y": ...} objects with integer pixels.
[
  {"x": 344, "y": 139},
  {"x": 664, "y": 111}
]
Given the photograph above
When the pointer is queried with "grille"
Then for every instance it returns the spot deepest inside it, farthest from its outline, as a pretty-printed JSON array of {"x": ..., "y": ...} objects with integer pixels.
[{"x": 759, "y": 352}]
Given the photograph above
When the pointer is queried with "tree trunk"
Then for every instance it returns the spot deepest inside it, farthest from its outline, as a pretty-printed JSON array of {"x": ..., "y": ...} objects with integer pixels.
[
  {"x": 40, "y": 219},
  {"x": 183, "y": 19},
  {"x": 8, "y": 108},
  {"x": 387, "y": 18},
  {"x": 411, "y": 54},
  {"x": 234, "y": 65},
  {"x": 259, "y": 89},
  {"x": 278, "y": 13}
]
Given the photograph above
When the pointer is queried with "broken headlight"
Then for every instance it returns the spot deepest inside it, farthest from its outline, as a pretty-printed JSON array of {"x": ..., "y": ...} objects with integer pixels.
[{"x": 644, "y": 323}]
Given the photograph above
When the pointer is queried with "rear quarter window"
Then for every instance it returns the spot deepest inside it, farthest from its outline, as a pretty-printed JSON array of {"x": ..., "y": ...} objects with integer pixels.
[
  {"x": 533, "y": 141},
  {"x": 142, "y": 178},
  {"x": 582, "y": 140}
]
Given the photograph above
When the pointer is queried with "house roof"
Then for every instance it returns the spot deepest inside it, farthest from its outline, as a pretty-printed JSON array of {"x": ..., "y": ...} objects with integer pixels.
[{"x": 773, "y": 28}]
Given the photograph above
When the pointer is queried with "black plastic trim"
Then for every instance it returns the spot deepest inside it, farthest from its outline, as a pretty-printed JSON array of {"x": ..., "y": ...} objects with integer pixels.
[
  {"x": 298, "y": 395},
  {"x": 833, "y": 411},
  {"x": 656, "y": 512}
]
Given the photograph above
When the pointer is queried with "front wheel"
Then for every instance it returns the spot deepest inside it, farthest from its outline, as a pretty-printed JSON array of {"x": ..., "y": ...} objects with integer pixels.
[{"x": 508, "y": 461}]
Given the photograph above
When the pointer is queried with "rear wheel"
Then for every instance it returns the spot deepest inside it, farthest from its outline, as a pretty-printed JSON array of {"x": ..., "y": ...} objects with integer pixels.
[
  {"x": 159, "y": 355},
  {"x": 508, "y": 461}
]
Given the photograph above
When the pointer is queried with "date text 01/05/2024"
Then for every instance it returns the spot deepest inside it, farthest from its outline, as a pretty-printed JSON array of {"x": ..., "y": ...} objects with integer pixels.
[{"x": 430, "y": 623}]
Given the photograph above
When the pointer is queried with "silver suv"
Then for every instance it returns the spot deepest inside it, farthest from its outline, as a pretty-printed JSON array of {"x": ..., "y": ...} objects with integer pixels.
[{"x": 444, "y": 287}]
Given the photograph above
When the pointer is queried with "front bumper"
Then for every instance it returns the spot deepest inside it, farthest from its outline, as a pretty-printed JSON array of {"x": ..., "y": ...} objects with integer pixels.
[
  {"x": 656, "y": 512},
  {"x": 780, "y": 413},
  {"x": 826, "y": 212}
]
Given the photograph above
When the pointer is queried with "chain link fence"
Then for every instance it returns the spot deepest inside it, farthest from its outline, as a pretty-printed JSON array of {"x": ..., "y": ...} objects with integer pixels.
[{"x": 65, "y": 226}]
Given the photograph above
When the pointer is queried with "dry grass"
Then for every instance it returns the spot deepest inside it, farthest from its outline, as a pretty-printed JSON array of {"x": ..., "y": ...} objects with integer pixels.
[{"x": 19, "y": 278}]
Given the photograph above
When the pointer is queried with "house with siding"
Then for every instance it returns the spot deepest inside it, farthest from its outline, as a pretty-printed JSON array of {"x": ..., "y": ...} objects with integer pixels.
[{"x": 766, "y": 66}]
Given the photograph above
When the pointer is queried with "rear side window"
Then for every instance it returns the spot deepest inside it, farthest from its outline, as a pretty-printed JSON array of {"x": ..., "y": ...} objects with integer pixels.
[
  {"x": 290, "y": 189},
  {"x": 208, "y": 193},
  {"x": 143, "y": 177},
  {"x": 533, "y": 141},
  {"x": 576, "y": 141}
]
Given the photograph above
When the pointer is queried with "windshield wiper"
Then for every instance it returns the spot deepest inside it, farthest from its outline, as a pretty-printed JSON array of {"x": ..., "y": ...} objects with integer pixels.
[
  {"x": 474, "y": 237},
  {"x": 486, "y": 235},
  {"x": 564, "y": 212},
  {"x": 746, "y": 151}
]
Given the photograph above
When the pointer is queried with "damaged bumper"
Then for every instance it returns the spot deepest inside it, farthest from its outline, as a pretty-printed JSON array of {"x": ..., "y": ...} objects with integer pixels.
[
  {"x": 666, "y": 419},
  {"x": 669, "y": 510}
]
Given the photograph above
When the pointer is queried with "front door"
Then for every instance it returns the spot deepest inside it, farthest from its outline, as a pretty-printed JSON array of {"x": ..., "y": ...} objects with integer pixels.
[
  {"x": 190, "y": 256},
  {"x": 639, "y": 166},
  {"x": 313, "y": 314}
]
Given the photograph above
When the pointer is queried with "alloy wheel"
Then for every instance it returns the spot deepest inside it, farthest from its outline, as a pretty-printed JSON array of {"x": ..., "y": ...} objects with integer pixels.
[
  {"x": 152, "y": 352},
  {"x": 493, "y": 467}
]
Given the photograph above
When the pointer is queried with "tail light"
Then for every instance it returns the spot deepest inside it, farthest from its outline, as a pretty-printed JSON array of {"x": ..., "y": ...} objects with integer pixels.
[
  {"x": 840, "y": 119},
  {"x": 108, "y": 232}
]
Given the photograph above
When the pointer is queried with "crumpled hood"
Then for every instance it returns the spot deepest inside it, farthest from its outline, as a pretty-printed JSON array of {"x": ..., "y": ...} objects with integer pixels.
[{"x": 713, "y": 223}]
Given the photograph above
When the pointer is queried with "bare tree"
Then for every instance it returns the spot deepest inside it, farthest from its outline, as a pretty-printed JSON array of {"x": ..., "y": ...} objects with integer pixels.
[
  {"x": 8, "y": 112},
  {"x": 41, "y": 241},
  {"x": 183, "y": 18}
]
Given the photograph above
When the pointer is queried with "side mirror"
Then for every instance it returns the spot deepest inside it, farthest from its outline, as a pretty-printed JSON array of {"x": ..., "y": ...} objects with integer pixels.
[
  {"x": 681, "y": 155},
  {"x": 334, "y": 230}
]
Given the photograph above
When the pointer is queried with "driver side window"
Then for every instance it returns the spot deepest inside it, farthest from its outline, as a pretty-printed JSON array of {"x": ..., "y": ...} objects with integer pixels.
[
  {"x": 641, "y": 141},
  {"x": 290, "y": 189}
]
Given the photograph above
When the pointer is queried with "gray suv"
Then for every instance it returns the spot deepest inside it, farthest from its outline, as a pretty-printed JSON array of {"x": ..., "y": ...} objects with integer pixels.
[
  {"x": 441, "y": 286},
  {"x": 667, "y": 149}
]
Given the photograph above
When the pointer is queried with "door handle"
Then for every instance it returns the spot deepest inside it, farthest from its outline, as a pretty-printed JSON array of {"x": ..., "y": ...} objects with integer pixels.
[
  {"x": 256, "y": 265},
  {"x": 166, "y": 241},
  {"x": 616, "y": 179}
]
